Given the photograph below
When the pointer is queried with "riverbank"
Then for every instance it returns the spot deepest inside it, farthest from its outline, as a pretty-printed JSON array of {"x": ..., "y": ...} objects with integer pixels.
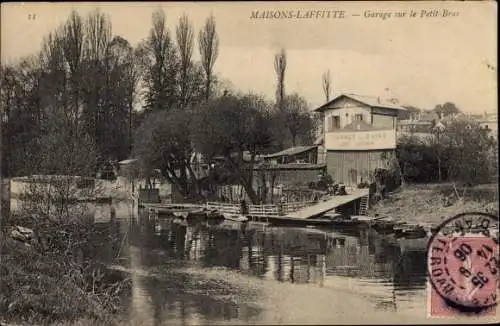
[
  {"x": 430, "y": 204},
  {"x": 43, "y": 282}
]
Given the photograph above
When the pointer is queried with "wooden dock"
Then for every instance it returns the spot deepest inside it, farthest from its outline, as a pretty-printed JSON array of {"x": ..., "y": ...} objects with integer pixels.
[
  {"x": 328, "y": 205},
  {"x": 227, "y": 208}
]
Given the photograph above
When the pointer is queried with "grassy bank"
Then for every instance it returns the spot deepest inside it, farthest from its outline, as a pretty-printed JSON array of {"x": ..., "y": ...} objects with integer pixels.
[
  {"x": 431, "y": 203},
  {"x": 42, "y": 285}
]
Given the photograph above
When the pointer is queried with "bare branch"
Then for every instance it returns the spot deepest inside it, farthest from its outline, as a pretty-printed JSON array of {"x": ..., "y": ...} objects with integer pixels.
[
  {"x": 185, "y": 41},
  {"x": 98, "y": 35},
  {"x": 326, "y": 78},
  {"x": 280, "y": 68},
  {"x": 209, "y": 50}
]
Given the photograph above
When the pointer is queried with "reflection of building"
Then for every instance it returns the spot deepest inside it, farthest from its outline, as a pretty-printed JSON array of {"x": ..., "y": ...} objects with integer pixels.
[{"x": 359, "y": 133}]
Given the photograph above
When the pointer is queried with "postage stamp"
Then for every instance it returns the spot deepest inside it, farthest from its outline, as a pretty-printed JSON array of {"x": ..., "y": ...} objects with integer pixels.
[{"x": 463, "y": 266}]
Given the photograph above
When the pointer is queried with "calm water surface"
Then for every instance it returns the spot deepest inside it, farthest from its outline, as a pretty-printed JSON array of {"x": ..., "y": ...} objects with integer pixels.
[{"x": 229, "y": 274}]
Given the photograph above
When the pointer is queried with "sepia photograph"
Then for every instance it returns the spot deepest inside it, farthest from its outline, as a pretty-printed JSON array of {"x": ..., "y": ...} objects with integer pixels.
[{"x": 249, "y": 163}]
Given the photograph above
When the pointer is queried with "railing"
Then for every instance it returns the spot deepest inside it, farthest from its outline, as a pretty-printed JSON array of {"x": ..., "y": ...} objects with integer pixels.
[
  {"x": 224, "y": 207},
  {"x": 263, "y": 210},
  {"x": 259, "y": 210},
  {"x": 231, "y": 208}
]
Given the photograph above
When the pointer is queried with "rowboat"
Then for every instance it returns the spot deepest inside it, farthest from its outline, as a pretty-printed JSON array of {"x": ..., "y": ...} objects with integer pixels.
[{"x": 235, "y": 217}]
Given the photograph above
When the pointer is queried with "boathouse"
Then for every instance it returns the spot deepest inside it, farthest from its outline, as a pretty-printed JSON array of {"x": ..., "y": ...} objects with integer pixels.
[{"x": 359, "y": 134}]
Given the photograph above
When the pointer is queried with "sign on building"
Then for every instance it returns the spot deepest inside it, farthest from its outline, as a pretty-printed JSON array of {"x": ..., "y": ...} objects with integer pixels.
[{"x": 361, "y": 140}]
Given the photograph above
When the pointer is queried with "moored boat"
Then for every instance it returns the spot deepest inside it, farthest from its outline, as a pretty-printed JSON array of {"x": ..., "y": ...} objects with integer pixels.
[{"x": 235, "y": 217}]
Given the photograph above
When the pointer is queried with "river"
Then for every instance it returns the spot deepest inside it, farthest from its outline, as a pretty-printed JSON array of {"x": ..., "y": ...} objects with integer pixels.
[
  {"x": 213, "y": 274},
  {"x": 228, "y": 274}
]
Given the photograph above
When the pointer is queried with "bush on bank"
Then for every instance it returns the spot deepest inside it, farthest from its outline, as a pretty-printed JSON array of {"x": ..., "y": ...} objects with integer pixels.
[{"x": 52, "y": 278}]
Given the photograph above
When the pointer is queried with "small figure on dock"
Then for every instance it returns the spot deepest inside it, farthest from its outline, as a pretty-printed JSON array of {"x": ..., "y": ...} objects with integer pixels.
[
  {"x": 341, "y": 190},
  {"x": 112, "y": 213},
  {"x": 281, "y": 205}
]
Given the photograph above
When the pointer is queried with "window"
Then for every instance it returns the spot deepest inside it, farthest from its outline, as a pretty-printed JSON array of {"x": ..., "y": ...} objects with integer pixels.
[
  {"x": 359, "y": 117},
  {"x": 333, "y": 123}
]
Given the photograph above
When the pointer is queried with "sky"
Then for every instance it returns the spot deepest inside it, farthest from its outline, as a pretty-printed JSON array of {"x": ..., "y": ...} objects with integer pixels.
[{"x": 421, "y": 60}]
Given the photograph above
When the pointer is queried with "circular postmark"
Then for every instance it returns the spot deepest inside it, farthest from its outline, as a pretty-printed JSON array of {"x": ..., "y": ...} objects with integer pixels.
[{"x": 463, "y": 262}]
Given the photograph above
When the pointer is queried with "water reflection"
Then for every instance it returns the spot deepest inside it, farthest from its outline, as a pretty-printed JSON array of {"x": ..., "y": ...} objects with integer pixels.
[
  {"x": 360, "y": 260},
  {"x": 161, "y": 254}
]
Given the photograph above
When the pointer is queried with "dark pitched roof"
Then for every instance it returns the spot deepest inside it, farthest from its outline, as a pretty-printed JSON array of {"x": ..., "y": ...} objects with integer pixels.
[
  {"x": 371, "y": 101},
  {"x": 290, "y": 151}
]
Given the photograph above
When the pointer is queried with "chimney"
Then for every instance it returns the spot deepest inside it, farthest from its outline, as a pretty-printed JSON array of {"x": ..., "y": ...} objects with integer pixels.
[{"x": 378, "y": 100}]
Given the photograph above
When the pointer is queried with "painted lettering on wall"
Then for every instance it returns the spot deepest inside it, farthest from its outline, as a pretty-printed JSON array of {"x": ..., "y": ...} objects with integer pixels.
[{"x": 360, "y": 140}]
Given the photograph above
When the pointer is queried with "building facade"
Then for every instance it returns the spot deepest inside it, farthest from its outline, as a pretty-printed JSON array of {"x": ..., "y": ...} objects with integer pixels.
[{"x": 359, "y": 136}]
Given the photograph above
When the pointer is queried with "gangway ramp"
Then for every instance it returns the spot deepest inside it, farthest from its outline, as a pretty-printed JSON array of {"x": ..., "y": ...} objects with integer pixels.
[{"x": 328, "y": 204}]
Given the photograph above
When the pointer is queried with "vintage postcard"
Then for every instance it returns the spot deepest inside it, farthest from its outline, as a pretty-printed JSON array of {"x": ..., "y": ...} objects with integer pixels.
[{"x": 249, "y": 163}]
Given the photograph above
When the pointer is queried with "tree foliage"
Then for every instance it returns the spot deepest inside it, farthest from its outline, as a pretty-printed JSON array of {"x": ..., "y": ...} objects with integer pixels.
[
  {"x": 298, "y": 119},
  {"x": 465, "y": 152},
  {"x": 163, "y": 142},
  {"x": 468, "y": 147},
  {"x": 83, "y": 79},
  {"x": 162, "y": 65},
  {"x": 231, "y": 127},
  {"x": 447, "y": 109}
]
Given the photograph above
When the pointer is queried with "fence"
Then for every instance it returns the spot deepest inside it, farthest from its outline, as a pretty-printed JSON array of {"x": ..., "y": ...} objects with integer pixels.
[
  {"x": 224, "y": 207},
  {"x": 229, "y": 208},
  {"x": 259, "y": 210}
]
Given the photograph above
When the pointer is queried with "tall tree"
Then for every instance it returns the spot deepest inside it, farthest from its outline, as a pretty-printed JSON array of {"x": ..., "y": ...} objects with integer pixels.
[
  {"x": 185, "y": 41},
  {"x": 209, "y": 50},
  {"x": 73, "y": 50},
  {"x": 23, "y": 114},
  {"x": 162, "y": 66},
  {"x": 123, "y": 76},
  {"x": 297, "y": 119},
  {"x": 82, "y": 79},
  {"x": 163, "y": 142},
  {"x": 280, "y": 68},
  {"x": 231, "y": 127},
  {"x": 326, "y": 83},
  {"x": 97, "y": 83}
]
